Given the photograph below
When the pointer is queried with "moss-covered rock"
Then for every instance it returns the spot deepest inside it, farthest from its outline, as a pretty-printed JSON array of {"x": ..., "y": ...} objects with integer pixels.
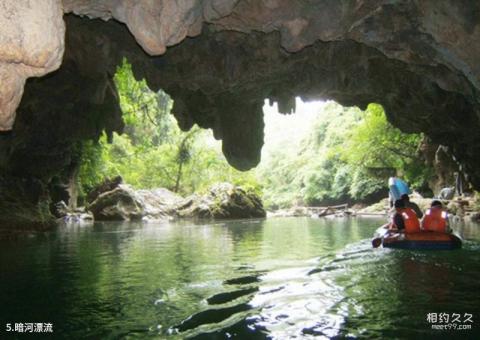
[{"x": 223, "y": 200}]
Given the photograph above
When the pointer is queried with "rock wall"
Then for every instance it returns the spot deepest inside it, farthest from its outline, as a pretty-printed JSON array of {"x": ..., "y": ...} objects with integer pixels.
[
  {"x": 31, "y": 44},
  {"x": 219, "y": 60}
]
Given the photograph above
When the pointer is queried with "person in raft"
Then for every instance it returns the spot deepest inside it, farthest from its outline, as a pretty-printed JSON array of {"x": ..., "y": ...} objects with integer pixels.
[
  {"x": 412, "y": 205},
  {"x": 404, "y": 219},
  {"x": 436, "y": 219}
]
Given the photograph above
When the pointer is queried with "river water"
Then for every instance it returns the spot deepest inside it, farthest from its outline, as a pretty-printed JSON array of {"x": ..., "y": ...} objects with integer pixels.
[{"x": 277, "y": 278}]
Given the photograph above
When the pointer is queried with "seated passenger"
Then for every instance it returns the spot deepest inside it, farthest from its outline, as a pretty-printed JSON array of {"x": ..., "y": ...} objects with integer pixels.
[
  {"x": 405, "y": 219},
  {"x": 436, "y": 219},
  {"x": 412, "y": 205}
]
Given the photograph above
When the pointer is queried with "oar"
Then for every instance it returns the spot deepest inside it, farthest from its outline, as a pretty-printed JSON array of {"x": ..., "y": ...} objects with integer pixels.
[{"x": 377, "y": 241}]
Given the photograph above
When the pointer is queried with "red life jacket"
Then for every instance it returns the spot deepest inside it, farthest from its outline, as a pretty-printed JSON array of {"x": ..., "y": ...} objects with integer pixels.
[
  {"x": 412, "y": 224},
  {"x": 410, "y": 220},
  {"x": 435, "y": 220}
]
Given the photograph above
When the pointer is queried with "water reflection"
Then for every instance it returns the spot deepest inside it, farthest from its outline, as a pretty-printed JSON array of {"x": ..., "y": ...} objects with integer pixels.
[{"x": 274, "y": 278}]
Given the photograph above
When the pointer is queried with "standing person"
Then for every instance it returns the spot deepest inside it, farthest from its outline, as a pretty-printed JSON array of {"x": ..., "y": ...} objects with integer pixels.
[
  {"x": 436, "y": 219},
  {"x": 412, "y": 205},
  {"x": 459, "y": 182},
  {"x": 397, "y": 188}
]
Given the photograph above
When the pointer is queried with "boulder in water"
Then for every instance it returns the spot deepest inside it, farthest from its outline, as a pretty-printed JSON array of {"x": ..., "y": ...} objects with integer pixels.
[
  {"x": 223, "y": 200},
  {"x": 120, "y": 204},
  {"x": 159, "y": 204},
  {"x": 107, "y": 185}
]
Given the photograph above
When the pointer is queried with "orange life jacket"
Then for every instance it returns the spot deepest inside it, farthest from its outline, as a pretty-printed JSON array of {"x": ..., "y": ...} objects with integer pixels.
[
  {"x": 412, "y": 224},
  {"x": 435, "y": 220}
]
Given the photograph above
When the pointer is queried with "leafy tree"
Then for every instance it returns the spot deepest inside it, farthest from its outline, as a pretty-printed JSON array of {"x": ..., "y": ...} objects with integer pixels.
[
  {"x": 375, "y": 143},
  {"x": 332, "y": 163}
]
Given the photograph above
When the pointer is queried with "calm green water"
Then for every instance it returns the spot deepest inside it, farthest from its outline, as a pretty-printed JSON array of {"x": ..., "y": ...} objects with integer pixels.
[{"x": 278, "y": 278}]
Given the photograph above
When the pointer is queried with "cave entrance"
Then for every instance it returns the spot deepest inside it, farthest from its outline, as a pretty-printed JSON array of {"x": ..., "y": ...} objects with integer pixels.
[
  {"x": 327, "y": 154},
  {"x": 324, "y": 154}
]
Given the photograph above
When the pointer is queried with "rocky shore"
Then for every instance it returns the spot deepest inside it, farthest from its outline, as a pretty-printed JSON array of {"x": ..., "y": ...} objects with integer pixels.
[
  {"x": 459, "y": 208},
  {"x": 116, "y": 201}
]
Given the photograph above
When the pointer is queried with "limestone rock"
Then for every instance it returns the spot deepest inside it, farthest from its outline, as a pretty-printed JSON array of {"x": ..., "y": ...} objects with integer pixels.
[
  {"x": 59, "y": 209},
  {"x": 77, "y": 102},
  {"x": 31, "y": 45},
  {"x": 223, "y": 200},
  {"x": 159, "y": 204},
  {"x": 119, "y": 204},
  {"x": 155, "y": 24},
  {"x": 23, "y": 204},
  {"x": 107, "y": 185}
]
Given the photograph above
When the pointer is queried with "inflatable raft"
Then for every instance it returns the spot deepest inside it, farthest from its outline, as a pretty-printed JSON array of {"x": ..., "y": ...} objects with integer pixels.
[{"x": 425, "y": 240}]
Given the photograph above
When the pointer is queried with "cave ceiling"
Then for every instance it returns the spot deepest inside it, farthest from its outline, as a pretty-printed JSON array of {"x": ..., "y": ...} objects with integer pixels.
[{"x": 220, "y": 59}]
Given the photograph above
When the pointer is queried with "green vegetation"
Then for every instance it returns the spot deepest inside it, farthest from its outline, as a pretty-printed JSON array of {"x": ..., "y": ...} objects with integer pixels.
[
  {"x": 376, "y": 144},
  {"x": 332, "y": 159},
  {"x": 339, "y": 158},
  {"x": 153, "y": 151}
]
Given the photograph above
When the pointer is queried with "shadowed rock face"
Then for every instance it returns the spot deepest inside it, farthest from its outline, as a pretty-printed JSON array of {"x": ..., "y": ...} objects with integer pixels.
[{"x": 418, "y": 59}]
